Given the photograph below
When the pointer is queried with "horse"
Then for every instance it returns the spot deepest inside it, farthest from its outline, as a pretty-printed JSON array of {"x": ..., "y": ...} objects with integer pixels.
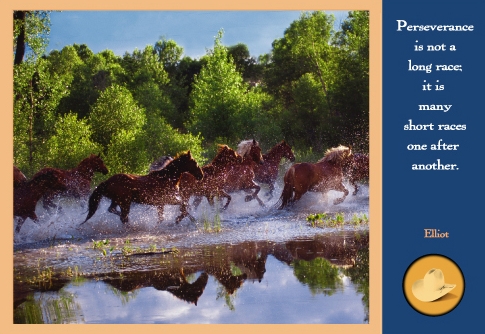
[
  {"x": 267, "y": 172},
  {"x": 18, "y": 177},
  {"x": 357, "y": 169},
  {"x": 78, "y": 179},
  {"x": 28, "y": 193},
  {"x": 241, "y": 176},
  {"x": 212, "y": 185},
  {"x": 157, "y": 188},
  {"x": 323, "y": 176}
]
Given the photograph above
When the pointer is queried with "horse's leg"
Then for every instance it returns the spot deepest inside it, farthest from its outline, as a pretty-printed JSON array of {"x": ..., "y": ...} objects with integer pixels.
[
  {"x": 112, "y": 208},
  {"x": 226, "y": 195},
  {"x": 160, "y": 213},
  {"x": 184, "y": 213},
  {"x": 125, "y": 210},
  {"x": 47, "y": 201},
  {"x": 254, "y": 195},
  {"x": 341, "y": 188},
  {"x": 197, "y": 201},
  {"x": 19, "y": 224},
  {"x": 356, "y": 187},
  {"x": 270, "y": 191}
]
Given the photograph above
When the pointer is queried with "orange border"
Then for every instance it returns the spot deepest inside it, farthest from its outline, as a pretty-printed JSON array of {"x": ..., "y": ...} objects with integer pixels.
[{"x": 375, "y": 7}]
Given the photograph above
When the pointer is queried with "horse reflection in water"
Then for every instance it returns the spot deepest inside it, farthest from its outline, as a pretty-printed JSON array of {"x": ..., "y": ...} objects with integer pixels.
[
  {"x": 357, "y": 169},
  {"x": 323, "y": 176},
  {"x": 158, "y": 188},
  {"x": 173, "y": 281}
]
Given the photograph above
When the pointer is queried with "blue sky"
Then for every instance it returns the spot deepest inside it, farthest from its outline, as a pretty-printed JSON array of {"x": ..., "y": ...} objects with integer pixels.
[{"x": 124, "y": 31}]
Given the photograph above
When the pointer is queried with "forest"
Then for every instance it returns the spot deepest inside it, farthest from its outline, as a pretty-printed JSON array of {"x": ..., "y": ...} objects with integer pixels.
[{"x": 311, "y": 89}]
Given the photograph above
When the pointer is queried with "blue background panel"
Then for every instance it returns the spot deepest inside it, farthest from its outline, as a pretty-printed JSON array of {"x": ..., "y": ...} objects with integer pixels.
[{"x": 451, "y": 201}]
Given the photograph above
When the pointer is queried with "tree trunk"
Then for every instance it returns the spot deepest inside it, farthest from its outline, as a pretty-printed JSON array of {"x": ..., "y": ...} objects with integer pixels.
[{"x": 20, "y": 47}]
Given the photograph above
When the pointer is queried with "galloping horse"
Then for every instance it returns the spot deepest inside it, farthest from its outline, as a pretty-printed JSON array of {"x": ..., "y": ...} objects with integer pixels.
[
  {"x": 27, "y": 194},
  {"x": 212, "y": 185},
  {"x": 357, "y": 169},
  {"x": 323, "y": 176},
  {"x": 158, "y": 188},
  {"x": 241, "y": 176},
  {"x": 78, "y": 179},
  {"x": 267, "y": 172},
  {"x": 18, "y": 177}
]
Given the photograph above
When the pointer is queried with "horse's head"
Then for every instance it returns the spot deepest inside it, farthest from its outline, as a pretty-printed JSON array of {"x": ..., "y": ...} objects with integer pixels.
[
  {"x": 255, "y": 153},
  {"x": 96, "y": 164},
  {"x": 287, "y": 152},
  {"x": 186, "y": 163},
  {"x": 226, "y": 156}
]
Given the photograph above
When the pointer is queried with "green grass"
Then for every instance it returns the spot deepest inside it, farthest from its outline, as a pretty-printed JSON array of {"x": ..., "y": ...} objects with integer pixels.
[{"x": 338, "y": 220}]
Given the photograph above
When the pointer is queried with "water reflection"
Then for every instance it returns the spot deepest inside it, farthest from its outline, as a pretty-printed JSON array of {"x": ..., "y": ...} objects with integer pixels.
[{"x": 323, "y": 280}]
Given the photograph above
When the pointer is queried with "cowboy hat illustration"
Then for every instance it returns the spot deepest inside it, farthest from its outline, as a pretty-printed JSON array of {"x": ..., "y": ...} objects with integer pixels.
[{"x": 432, "y": 286}]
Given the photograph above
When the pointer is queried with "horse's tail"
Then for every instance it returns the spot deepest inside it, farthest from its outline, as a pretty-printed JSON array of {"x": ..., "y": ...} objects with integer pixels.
[
  {"x": 94, "y": 200},
  {"x": 287, "y": 194}
]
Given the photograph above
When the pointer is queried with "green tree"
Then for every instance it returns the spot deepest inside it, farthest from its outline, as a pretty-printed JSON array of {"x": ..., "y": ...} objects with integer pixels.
[
  {"x": 37, "y": 93},
  {"x": 70, "y": 143},
  {"x": 30, "y": 33},
  {"x": 221, "y": 103},
  {"x": 351, "y": 88},
  {"x": 115, "y": 110}
]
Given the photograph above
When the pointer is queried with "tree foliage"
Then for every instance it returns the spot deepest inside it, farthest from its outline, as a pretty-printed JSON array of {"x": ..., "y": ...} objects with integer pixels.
[{"x": 311, "y": 89}]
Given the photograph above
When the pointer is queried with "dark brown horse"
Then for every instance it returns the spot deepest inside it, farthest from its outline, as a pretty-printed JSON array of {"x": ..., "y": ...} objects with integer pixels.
[
  {"x": 78, "y": 179},
  {"x": 212, "y": 185},
  {"x": 323, "y": 176},
  {"x": 27, "y": 194},
  {"x": 158, "y": 188},
  {"x": 267, "y": 173},
  {"x": 241, "y": 176},
  {"x": 357, "y": 169},
  {"x": 18, "y": 177}
]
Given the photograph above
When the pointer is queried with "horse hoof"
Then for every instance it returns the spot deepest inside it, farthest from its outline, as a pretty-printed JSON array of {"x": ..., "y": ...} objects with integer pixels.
[
  {"x": 338, "y": 201},
  {"x": 248, "y": 198}
]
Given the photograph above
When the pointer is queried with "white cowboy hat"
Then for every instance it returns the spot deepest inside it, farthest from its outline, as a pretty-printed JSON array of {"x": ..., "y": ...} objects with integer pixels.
[{"x": 432, "y": 286}]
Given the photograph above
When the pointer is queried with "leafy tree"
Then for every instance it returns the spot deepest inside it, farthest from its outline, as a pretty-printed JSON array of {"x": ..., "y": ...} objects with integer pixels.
[
  {"x": 351, "y": 88},
  {"x": 221, "y": 105},
  {"x": 30, "y": 31},
  {"x": 115, "y": 110},
  {"x": 37, "y": 93},
  {"x": 70, "y": 143}
]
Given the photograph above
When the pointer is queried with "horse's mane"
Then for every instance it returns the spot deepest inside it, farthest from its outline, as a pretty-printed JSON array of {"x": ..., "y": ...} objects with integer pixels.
[
  {"x": 160, "y": 163},
  {"x": 336, "y": 154},
  {"x": 245, "y": 146}
]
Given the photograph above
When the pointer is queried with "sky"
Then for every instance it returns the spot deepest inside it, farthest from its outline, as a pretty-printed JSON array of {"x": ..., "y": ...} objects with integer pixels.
[{"x": 125, "y": 31}]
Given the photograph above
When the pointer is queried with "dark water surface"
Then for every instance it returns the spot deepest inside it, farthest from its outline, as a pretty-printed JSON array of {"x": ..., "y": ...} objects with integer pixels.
[{"x": 244, "y": 265}]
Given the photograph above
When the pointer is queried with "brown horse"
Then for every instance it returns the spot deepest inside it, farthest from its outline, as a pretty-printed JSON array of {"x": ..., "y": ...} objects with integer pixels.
[
  {"x": 241, "y": 176},
  {"x": 78, "y": 179},
  {"x": 323, "y": 176},
  {"x": 18, "y": 177},
  {"x": 267, "y": 172},
  {"x": 357, "y": 169},
  {"x": 158, "y": 188},
  {"x": 212, "y": 185},
  {"x": 27, "y": 194}
]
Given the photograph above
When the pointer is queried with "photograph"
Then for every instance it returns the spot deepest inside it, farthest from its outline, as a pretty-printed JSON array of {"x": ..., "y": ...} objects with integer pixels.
[{"x": 191, "y": 167}]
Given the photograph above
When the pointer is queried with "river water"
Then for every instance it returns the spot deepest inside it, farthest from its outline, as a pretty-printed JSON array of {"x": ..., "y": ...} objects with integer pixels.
[{"x": 244, "y": 265}]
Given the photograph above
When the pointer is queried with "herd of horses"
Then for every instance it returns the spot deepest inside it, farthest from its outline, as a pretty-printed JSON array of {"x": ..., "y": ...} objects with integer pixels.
[{"x": 174, "y": 181}]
